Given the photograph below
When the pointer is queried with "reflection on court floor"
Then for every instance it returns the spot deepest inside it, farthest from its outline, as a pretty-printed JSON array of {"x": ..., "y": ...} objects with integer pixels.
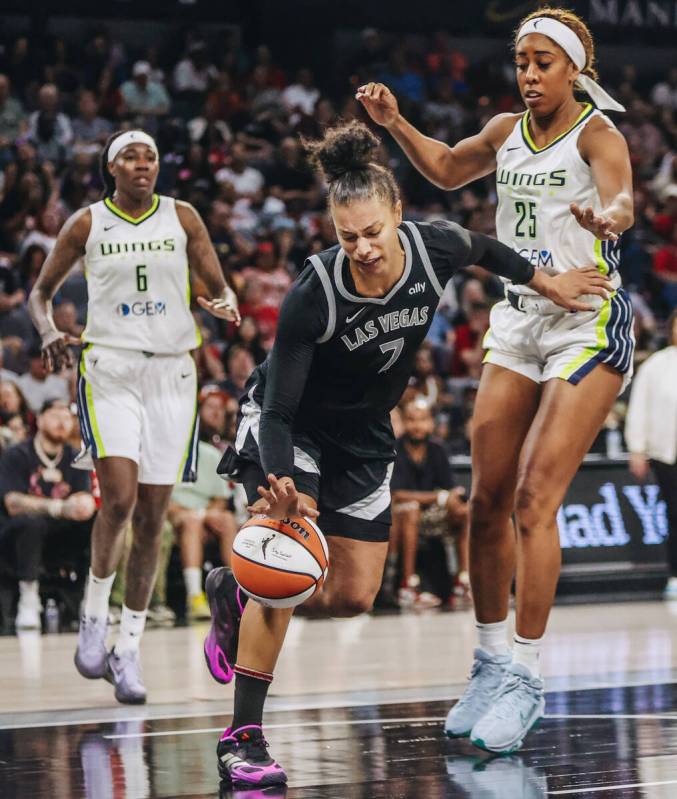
[{"x": 602, "y": 742}]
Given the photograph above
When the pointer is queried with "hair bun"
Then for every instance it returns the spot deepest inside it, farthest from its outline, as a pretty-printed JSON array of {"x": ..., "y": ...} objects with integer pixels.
[{"x": 346, "y": 148}]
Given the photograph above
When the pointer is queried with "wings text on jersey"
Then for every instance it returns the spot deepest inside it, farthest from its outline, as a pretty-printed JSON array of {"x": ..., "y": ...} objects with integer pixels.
[
  {"x": 395, "y": 320},
  {"x": 554, "y": 179},
  {"x": 118, "y": 247}
]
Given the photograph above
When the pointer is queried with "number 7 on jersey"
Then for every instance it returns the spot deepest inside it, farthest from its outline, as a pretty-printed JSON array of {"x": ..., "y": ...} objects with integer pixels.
[{"x": 391, "y": 346}]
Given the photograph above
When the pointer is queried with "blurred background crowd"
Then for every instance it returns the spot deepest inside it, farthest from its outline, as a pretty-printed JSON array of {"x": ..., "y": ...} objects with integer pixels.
[{"x": 227, "y": 119}]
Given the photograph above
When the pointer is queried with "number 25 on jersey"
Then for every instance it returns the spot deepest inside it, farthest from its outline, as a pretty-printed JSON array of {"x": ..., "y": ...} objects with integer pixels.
[{"x": 526, "y": 219}]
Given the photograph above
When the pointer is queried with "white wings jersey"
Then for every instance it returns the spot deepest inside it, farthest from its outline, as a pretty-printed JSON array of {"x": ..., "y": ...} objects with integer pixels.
[
  {"x": 137, "y": 280},
  {"x": 535, "y": 187}
]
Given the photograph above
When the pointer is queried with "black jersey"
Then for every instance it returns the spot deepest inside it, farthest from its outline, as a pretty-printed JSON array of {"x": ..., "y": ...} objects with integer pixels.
[{"x": 341, "y": 361}]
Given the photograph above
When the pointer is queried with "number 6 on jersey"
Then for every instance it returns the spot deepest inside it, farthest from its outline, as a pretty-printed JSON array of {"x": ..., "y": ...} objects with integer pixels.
[{"x": 141, "y": 278}]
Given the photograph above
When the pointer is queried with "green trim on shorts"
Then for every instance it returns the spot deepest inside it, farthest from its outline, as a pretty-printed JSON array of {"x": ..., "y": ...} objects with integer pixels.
[
  {"x": 100, "y": 449},
  {"x": 484, "y": 346},
  {"x": 602, "y": 265},
  {"x": 198, "y": 334},
  {"x": 602, "y": 342},
  {"x": 191, "y": 436}
]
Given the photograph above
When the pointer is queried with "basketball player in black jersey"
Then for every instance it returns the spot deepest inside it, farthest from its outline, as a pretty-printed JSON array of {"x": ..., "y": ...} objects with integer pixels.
[{"x": 314, "y": 434}]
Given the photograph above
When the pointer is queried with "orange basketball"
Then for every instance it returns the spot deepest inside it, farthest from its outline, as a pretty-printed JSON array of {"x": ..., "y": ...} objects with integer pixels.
[{"x": 280, "y": 562}]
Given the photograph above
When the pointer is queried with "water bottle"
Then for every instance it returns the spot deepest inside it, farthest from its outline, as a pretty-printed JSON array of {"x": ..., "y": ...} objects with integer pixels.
[
  {"x": 614, "y": 444},
  {"x": 52, "y": 616}
]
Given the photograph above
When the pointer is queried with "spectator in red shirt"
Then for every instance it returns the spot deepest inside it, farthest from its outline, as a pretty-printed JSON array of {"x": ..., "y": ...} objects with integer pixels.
[
  {"x": 272, "y": 279},
  {"x": 665, "y": 269}
]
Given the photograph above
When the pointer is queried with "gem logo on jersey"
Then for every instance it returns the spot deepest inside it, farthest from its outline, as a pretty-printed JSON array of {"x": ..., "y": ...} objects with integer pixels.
[
  {"x": 541, "y": 259},
  {"x": 147, "y": 308}
]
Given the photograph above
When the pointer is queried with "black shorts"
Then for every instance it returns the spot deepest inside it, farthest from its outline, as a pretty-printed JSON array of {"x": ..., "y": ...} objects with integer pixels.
[{"x": 352, "y": 495}]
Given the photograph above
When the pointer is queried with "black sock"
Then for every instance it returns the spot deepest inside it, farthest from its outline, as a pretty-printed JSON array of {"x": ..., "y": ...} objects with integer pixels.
[{"x": 251, "y": 689}]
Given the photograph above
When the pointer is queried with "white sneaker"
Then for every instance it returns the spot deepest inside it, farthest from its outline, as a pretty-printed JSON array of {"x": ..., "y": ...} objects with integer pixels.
[
  {"x": 517, "y": 707},
  {"x": 28, "y": 614},
  {"x": 670, "y": 590},
  {"x": 160, "y": 615}
]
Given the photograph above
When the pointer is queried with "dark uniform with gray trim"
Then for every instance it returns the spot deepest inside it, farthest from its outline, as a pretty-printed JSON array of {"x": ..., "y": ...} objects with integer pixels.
[{"x": 318, "y": 408}]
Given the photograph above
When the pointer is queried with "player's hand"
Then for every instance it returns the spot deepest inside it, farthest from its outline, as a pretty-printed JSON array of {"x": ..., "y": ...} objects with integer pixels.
[
  {"x": 281, "y": 500},
  {"x": 55, "y": 352},
  {"x": 599, "y": 226},
  {"x": 565, "y": 289},
  {"x": 79, "y": 507},
  {"x": 639, "y": 466},
  {"x": 224, "y": 307},
  {"x": 379, "y": 102},
  {"x": 457, "y": 503}
]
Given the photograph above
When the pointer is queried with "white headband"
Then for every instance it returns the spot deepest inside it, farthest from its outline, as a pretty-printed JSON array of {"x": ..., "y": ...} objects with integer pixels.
[
  {"x": 562, "y": 35},
  {"x": 131, "y": 137}
]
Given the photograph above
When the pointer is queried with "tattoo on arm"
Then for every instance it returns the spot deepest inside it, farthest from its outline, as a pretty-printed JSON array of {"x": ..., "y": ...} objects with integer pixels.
[{"x": 17, "y": 503}]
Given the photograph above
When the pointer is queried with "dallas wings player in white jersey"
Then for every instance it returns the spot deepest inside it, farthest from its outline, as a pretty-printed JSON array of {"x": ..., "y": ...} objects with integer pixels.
[
  {"x": 564, "y": 191},
  {"x": 137, "y": 380}
]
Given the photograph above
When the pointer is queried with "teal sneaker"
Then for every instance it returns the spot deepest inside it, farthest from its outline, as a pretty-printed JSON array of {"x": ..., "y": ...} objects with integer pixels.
[
  {"x": 516, "y": 708},
  {"x": 486, "y": 677}
]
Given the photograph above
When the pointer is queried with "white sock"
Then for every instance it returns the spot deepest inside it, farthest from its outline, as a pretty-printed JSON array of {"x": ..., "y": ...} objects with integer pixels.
[
  {"x": 192, "y": 577},
  {"x": 132, "y": 623},
  {"x": 97, "y": 596},
  {"x": 493, "y": 637},
  {"x": 29, "y": 591},
  {"x": 526, "y": 652}
]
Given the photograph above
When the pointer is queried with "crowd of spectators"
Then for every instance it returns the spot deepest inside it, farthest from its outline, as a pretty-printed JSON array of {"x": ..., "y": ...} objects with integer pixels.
[{"x": 228, "y": 122}]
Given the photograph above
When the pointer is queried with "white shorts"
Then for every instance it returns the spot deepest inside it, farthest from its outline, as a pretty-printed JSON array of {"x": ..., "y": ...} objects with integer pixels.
[
  {"x": 141, "y": 407},
  {"x": 561, "y": 344}
]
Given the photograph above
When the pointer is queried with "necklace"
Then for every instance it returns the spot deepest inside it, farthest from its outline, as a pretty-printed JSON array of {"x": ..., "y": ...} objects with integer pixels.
[{"x": 50, "y": 473}]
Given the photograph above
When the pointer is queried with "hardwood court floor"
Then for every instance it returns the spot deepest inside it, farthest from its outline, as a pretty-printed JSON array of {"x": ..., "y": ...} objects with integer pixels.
[{"x": 356, "y": 711}]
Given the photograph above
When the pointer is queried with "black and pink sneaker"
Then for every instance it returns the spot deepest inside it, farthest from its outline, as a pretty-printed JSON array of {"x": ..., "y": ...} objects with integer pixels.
[
  {"x": 226, "y": 602},
  {"x": 244, "y": 759}
]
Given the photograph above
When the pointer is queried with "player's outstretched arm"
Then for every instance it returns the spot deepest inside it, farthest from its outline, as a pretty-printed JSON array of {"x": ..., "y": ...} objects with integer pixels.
[
  {"x": 70, "y": 245},
  {"x": 452, "y": 247},
  {"x": 605, "y": 149},
  {"x": 446, "y": 167},
  {"x": 203, "y": 259},
  {"x": 564, "y": 290}
]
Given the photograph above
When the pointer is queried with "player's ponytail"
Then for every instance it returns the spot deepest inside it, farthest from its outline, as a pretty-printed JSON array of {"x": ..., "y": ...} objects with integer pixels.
[
  {"x": 106, "y": 177},
  {"x": 345, "y": 157}
]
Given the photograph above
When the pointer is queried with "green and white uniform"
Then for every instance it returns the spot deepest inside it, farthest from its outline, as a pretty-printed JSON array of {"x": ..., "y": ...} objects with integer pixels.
[
  {"x": 530, "y": 334},
  {"x": 137, "y": 383}
]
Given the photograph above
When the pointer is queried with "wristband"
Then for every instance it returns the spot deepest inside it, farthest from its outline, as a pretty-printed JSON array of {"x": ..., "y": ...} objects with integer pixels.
[
  {"x": 55, "y": 508},
  {"x": 442, "y": 498}
]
